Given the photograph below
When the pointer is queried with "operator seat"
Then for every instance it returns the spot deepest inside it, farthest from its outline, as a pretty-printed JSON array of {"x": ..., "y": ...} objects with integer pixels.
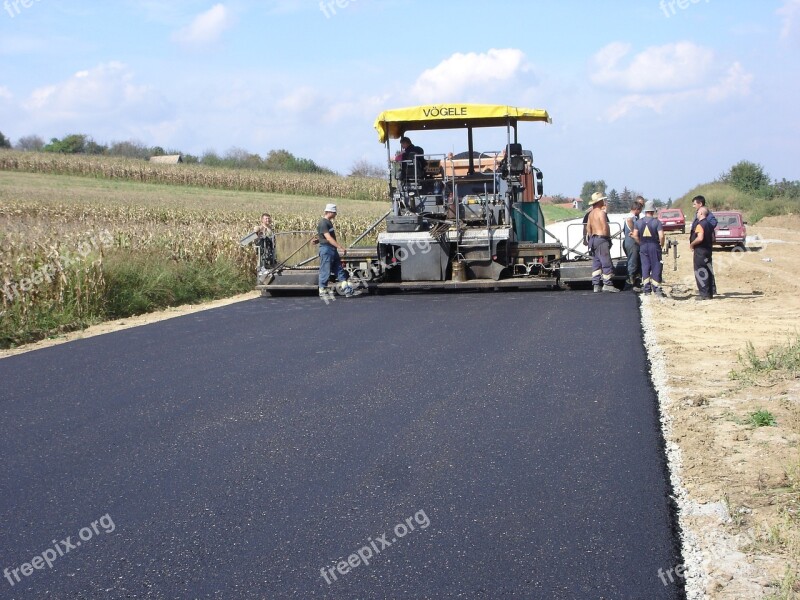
[{"x": 513, "y": 162}]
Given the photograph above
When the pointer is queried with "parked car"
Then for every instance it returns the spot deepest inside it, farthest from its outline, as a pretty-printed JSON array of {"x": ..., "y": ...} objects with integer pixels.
[
  {"x": 731, "y": 228},
  {"x": 672, "y": 219}
]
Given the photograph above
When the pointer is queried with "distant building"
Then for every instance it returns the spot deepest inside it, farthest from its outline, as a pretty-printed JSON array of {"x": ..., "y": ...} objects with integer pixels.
[{"x": 170, "y": 159}]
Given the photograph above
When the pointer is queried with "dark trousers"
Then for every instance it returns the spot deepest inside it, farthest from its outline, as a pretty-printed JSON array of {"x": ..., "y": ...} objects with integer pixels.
[
  {"x": 266, "y": 253},
  {"x": 632, "y": 252},
  {"x": 704, "y": 272},
  {"x": 602, "y": 267},
  {"x": 650, "y": 254}
]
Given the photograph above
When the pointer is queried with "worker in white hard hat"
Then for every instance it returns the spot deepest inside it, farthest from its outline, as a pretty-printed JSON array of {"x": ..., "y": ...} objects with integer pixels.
[{"x": 329, "y": 250}]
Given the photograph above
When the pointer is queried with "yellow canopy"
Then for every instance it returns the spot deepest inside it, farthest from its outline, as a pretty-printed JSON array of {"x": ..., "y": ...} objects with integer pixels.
[{"x": 393, "y": 123}]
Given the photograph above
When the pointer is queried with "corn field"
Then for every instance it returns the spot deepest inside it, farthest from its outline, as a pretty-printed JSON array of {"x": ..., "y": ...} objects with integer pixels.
[
  {"x": 104, "y": 167},
  {"x": 54, "y": 256}
]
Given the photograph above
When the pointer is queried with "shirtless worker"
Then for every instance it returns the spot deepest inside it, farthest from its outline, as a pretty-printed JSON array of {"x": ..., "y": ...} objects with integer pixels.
[{"x": 598, "y": 234}]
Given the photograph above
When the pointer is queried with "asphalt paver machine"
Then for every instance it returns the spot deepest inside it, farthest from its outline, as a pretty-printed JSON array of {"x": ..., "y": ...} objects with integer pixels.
[{"x": 468, "y": 220}]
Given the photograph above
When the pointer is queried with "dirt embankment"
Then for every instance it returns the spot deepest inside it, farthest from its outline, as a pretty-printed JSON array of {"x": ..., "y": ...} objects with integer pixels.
[{"x": 742, "y": 480}]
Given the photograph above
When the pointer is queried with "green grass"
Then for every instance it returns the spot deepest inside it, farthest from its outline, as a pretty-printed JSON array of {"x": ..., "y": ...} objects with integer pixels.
[
  {"x": 559, "y": 213},
  {"x": 780, "y": 359},
  {"x": 145, "y": 282},
  {"x": 761, "y": 418},
  {"x": 723, "y": 196}
]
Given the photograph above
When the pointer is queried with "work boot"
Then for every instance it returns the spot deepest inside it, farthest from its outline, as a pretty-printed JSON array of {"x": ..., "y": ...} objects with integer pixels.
[
  {"x": 596, "y": 289},
  {"x": 610, "y": 288}
]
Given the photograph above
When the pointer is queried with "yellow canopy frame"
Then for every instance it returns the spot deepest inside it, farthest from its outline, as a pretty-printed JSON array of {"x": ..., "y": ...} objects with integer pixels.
[{"x": 394, "y": 123}]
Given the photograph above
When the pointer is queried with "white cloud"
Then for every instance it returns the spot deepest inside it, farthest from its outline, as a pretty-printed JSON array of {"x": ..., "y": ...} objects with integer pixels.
[
  {"x": 790, "y": 13},
  {"x": 670, "y": 67},
  {"x": 672, "y": 75},
  {"x": 298, "y": 100},
  {"x": 206, "y": 27},
  {"x": 5, "y": 94},
  {"x": 107, "y": 89},
  {"x": 452, "y": 77},
  {"x": 736, "y": 81}
]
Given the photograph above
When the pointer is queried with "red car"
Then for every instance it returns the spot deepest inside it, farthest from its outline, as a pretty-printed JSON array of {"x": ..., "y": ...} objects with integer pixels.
[
  {"x": 672, "y": 219},
  {"x": 731, "y": 228}
]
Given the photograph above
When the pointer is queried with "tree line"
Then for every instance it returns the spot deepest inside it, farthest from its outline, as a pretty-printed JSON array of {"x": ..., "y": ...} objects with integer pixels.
[
  {"x": 745, "y": 176},
  {"x": 238, "y": 158},
  {"x": 618, "y": 202},
  {"x": 751, "y": 178}
]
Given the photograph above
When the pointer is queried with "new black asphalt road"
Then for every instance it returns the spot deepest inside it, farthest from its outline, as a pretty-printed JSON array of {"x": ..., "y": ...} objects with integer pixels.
[{"x": 478, "y": 445}]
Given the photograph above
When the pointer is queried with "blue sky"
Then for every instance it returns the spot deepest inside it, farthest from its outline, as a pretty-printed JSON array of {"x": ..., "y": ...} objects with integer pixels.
[{"x": 656, "y": 96}]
